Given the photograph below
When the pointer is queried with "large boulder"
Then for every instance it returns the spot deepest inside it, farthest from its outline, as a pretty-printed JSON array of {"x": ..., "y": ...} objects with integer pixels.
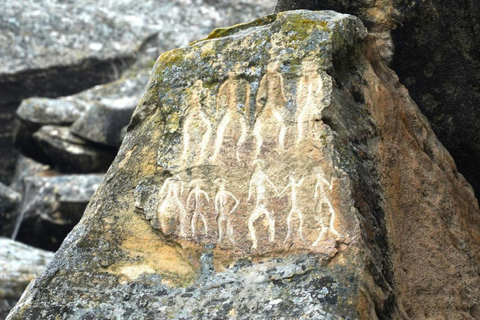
[
  {"x": 52, "y": 206},
  {"x": 434, "y": 49},
  {"x": 19, "y": 264},
  {"x": 276, "y": 169}
]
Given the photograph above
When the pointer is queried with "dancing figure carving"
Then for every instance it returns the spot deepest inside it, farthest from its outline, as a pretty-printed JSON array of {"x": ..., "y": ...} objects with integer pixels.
[
  {"x": 270, "y": 106},
  {"x": 258, "y": 184},
  {"x": 228, "y": 100},
  {"x": 309, "y": 97},
  {"x": 294, "y": 210},
  {"x": 196, "y": 122},
  {"x": 224, "y": 208},
  {"x": 320, "y": 193},
  {"x": 171, "y": 207},
  {"x": 196, "y": 194}
]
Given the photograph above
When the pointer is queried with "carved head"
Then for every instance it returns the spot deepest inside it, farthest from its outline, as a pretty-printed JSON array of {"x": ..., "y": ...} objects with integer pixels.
[
  {"x": 309, "y": 65},
  {"x": 273, "y": 66},
  {"x": 220, "y": 182}
]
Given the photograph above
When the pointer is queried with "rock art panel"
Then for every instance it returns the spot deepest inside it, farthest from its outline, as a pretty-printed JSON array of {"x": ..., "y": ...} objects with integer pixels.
[{"x": 241, "y": 153}]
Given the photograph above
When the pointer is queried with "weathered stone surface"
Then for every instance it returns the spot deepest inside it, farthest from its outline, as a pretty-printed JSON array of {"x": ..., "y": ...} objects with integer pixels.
[
  {"x": 19, "y": 264},
  {"x": 111, "y": 107},
  {"x": 34, "y": 113},
  {"x": 50, "y": 49},
  {"x": 274, "y": 169},
  {"x": 71, "y": 154},
  {"x": 435, "y": 51},
  {"x": 26, "y": 167},
  {"x": 52, "y": 206}
]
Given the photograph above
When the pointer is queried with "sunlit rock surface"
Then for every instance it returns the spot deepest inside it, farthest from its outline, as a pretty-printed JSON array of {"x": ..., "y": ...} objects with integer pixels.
[
  {"x": 434, "y": 49},
  {"x": 274, "y": 169},
  {"x": 19, "y": 264}
]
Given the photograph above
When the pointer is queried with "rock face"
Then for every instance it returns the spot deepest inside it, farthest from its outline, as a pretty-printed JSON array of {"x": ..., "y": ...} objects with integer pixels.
[
  {"x": 52, "y": 206},
  {"x": 274, "y": 169},
  {"x": 42, "y": 43},
  {"x": 19, "y": 264},
  {"x": 435, "y": 51}
]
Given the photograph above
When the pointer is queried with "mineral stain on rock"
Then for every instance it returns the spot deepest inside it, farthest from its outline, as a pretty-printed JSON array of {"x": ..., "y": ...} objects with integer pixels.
[{"x": 267, "y": 173}]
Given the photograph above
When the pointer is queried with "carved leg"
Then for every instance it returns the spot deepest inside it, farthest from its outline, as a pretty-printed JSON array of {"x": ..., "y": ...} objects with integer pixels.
[
  {"x": 258, "y": 137},
  {"x": 242, "y": 138},
  {"x": 253, "y": 217},
  {"x": 289, "y": 223},
  {"x": 220, "y": 133}
]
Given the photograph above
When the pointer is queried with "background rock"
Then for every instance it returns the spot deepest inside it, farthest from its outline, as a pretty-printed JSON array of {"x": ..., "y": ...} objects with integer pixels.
[
  {"x": 291, "y": 111},
  {"x": 434, "y": 49},
  {"x": 68, "y": 153},
  {"x": 19, "y": 264},
  {"x": 9, "y": 198},
  {"x": 9, "y": 201},
  {"x": 51, "y": 206}
]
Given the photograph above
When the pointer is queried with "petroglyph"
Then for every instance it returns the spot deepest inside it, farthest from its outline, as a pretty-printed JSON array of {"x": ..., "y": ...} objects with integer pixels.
[
  {"x": 196, "y": 123},
  {"x": 225, "y": 205},
  {"x": 270, "y": 106},
  {"x": 294, "y": 210},
  {"x": 228, "y": 100},
  {"x": 327, "y": 222},
  {"x": 309, "y": 98},
  {"x": 258, "y": 183},
  {"x": 227, "y": 136},
  {"x": 199, "y": 204},
  {"x": 171, "y": 206}
]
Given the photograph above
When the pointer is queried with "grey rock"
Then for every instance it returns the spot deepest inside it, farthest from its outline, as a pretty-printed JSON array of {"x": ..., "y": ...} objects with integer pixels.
[
  {"x": 9, "y": 198},
  {"x": 51, "y": 206},
  {"x": 110, "y": 109},
  {"x": 19, "y": 265},
  {"x": 33, "y": 113},
  {"x": 43, "y": 111},
  {"x": 26, "y": 167},
  {"x": 71, "y": 154}
]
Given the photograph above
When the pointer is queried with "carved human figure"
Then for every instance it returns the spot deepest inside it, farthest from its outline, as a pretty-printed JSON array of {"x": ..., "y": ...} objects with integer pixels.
[
  {"x": 327, "y": 222},
  {"x": 230, "y": 101},
  {"x": 171, "y": 207},
  {"x": 225, "y": 204},
  {"x": 270, "y": 106},
  {"x": 309, "y": 97},
  {"x": 258, "y": 184},
  {"x": 196, "y": 122},
  {"x": 294, "y": 210},
  {"x": 198, "y": 197}
]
